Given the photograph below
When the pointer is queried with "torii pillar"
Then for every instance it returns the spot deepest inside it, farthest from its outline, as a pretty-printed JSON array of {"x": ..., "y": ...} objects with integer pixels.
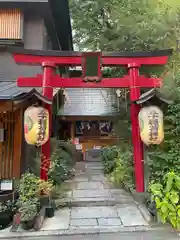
[
  {"x": 48, "y": 73},
  {"x": 136, "y": 139}
]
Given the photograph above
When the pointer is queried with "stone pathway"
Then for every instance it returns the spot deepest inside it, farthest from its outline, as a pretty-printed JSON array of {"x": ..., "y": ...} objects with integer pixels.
[
  {"x": 92, "y": 204},
  {"x": 91, "y": 207}
]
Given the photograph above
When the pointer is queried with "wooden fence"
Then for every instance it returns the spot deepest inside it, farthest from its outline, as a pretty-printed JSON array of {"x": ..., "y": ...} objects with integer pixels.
[{"x": 10, "y": 144}]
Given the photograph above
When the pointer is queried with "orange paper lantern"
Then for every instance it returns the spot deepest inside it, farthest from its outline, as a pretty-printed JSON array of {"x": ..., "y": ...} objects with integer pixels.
[
  {"x": 36, "y": 125},
  {"x": 151, "y": 125}
]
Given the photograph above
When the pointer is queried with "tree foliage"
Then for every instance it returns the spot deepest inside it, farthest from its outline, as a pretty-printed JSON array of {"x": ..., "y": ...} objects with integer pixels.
[{"x": 123, "y": 25}]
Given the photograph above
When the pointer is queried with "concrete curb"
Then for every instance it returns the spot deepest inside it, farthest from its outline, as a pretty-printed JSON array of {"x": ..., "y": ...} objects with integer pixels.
[
  {"x": 145, "y": 213},
  {"x": 85, "y": 231},
  {"x": 138, "y": 198}
]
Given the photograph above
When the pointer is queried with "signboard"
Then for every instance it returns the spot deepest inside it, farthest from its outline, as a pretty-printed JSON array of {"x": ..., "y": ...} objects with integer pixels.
[
  {"x": 79, "y": 146},
  {"x": 6, "y": 185}
]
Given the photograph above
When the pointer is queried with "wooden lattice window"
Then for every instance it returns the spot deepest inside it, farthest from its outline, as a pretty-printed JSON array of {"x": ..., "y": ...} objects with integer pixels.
[{"x": 11, "y": 24}]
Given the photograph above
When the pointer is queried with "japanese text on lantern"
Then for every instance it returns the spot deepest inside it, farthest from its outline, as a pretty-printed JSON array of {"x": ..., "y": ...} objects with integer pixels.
[{"x": 153, "y": 125}]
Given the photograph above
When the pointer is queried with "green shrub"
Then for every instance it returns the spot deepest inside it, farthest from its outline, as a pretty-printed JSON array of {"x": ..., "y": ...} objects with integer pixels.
[
  {"x": 109, "y": 155},
  {"x": 167, "y": 198},
  {"x": 70, "y": 149},
  {"x": 118, "y": 163},
  {"x": 28, "y": 187},
  {"x": 61, "y": 167},
  {"x": 123, "y": 172}
]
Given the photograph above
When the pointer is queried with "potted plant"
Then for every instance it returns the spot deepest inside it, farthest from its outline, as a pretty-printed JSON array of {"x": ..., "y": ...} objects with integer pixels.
[
  {"x": 50, "y": 208},
  {"x": 45, "y": 190},
  {"x": 28, "y": 212},
  {"x": 6, "y": 213},
  {"x": 28, "y": 202},
  {"x": 28, "y": 185}
]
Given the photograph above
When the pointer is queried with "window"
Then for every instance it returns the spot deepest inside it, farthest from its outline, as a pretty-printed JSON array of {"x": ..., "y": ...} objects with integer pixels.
[
  {"x": 94, "y": 128},
  {"x": 11, "y": 24}
]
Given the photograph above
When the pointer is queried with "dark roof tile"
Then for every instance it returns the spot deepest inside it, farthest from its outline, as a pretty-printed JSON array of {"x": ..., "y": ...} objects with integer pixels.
[{"x": 89, "y": 102}]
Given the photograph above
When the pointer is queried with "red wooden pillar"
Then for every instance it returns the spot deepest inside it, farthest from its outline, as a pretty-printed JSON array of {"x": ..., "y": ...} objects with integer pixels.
[
  {"x": 136, "y": 140},
  {"x": 48, "y": 73}
]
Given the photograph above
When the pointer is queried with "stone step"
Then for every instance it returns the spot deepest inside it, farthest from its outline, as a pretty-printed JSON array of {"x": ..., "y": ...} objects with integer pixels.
[
  {"x": 82, "y": 177},
  {"x": 88, "y": 202},
  {"x": 93, "y": 160},
  {"x": 94, "y": 166},
  {"x": 85, "y": 202},
  {"x": 93, "y": 172}
]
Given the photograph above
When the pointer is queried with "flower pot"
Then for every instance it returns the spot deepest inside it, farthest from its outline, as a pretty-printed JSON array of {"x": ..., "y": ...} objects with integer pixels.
[
  {"x": 39, "y": 219},
  {"x": 27, "y": 225},
  {"x": 44, "y": 200},
  {"x": 6, "y": 218},
  {"x": 50, "y": 211}
]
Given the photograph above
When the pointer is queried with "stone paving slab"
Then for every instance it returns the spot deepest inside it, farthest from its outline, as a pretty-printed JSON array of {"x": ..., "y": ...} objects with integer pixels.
[
  {"x": 60, "y": 221},
  {"x": 83, "y": 222},
  {"x": 94, "y": 166},
  {"x": 91, "y": 193},
  {"x": 98, "y": 178},
  {"x": 94, "y": 172},
  {"x": 119, "y": 192},
  {"x": 121, "y": 196},
  {"x": 94, "y": 212},
  {"x": 123, "y": 200},
  {"x": 131, "y": 216},
  {"x": 81, "y": 178},
  {"x": 94, "y": 169},
  {"x": 109, "y": 222},
  {"x": 90, "y": 185}
]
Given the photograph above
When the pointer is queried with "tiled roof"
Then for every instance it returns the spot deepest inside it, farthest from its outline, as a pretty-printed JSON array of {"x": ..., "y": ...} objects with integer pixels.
[
  {"x": 89, "y": 102},
  {"x": 9, "y": 90}
]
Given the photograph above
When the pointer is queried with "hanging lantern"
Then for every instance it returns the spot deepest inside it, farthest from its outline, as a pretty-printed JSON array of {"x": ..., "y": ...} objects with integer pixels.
[
  {"x": 151, "y": 125},
  {"x": 36, "y": 125}
]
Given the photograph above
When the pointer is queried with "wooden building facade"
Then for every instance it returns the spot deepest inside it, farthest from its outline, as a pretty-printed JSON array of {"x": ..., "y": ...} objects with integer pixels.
[
  {"x": 15, "y": 154},
  {"x": 87, "y": 117},
  {"x": 42, "y": 25}
]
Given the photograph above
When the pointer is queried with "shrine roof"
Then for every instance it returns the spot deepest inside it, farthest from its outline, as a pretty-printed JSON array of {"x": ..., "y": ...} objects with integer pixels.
[
  {"x": 89, "y": 102},
  {"x": 152, "y": 93},
  {"x": 10, "y": 91}
]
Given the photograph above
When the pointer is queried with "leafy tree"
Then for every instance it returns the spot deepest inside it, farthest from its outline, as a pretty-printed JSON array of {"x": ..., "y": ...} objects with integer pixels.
[{"x": 123, "y": 25}]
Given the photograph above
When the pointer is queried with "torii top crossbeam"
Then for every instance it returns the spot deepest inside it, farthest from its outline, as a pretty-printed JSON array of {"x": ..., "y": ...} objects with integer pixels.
[
  {"x": 63, "y": 58},
  {"x": 27, "y": 56}
]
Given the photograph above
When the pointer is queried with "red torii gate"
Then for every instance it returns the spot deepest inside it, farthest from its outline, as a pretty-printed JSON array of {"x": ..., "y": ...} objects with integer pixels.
[{"x": 132, "y": 61}]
